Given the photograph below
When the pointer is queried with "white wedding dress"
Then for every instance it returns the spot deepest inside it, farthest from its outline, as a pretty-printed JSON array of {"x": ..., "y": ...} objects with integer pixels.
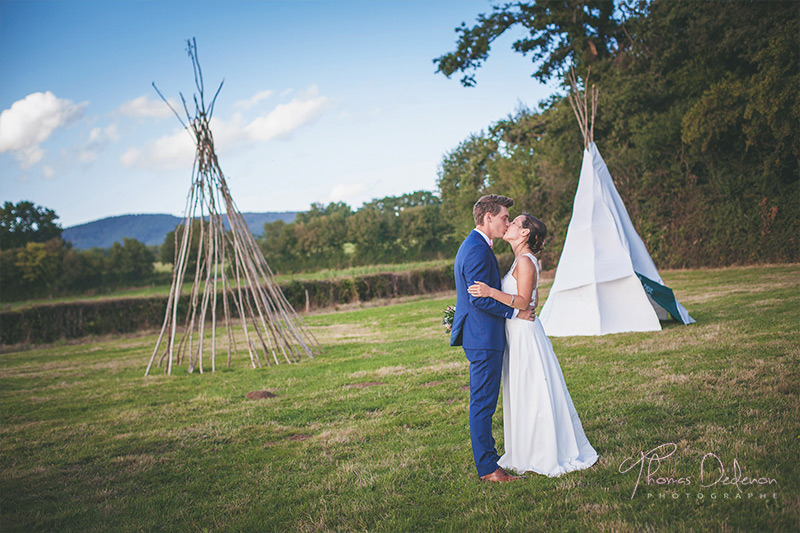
[{"x": 542, "y": 430}]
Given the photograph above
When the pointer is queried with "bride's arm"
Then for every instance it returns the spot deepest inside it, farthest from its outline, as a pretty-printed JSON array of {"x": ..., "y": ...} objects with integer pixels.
[{"x": 525, "y": 274}]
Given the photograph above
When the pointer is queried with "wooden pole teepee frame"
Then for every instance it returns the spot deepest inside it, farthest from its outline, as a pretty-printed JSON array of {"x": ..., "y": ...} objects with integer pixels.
[
  {"x": 230, "y": 267},
  {"x": 582, "y": 103}
]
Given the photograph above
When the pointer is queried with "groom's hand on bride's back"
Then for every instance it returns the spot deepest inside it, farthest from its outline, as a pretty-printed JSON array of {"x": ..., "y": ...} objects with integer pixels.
[{"x": 527, "y": 314}]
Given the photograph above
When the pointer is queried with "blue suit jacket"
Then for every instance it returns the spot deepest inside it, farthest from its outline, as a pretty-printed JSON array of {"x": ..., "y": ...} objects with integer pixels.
[{"x": 479, "y": 323}]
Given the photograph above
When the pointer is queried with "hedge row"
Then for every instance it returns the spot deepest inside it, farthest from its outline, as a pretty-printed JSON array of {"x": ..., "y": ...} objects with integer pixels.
[{"x": 47, "y": 323}]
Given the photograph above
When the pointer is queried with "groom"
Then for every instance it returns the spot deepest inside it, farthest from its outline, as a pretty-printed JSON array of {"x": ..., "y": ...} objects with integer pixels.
[{"x": 479, "y": 326}]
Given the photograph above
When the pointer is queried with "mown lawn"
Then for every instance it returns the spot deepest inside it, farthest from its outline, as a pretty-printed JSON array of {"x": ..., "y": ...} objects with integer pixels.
[{"x": 373, "y": 435}]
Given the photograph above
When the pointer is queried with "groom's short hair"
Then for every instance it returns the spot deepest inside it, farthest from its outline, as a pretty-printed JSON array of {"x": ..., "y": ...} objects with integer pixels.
[{"x": 492, "y": 204}]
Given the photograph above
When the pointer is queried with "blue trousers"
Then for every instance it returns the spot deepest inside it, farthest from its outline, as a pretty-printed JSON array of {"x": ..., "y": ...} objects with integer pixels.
[{"x": 485, "y": 369}]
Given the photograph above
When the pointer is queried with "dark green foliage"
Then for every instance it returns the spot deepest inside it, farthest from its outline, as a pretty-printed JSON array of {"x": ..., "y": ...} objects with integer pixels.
[
  {"x": 395, "y": 229},
  {"x": 54, "y": 268},
  {"x": 130, "y": 261},
  {"x": 46, "y": 323},
  {"x": 560, "y": 33},
  {"x": 25, "y": 222},
  {"x": 167, "y": 249},
  {"x": 321, "y": 234},
  {"x": 395, "y": 204},
  {"x": 374, "y": 234},
  {"x": 697, "y": 122}
]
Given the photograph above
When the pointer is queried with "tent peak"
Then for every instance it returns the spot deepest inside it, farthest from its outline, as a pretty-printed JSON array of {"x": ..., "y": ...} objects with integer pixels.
[{"x": 582, "y": 104}]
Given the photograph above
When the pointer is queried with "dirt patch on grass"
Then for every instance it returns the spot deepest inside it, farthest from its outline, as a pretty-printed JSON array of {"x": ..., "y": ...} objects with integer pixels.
[
  {"x": 260, "y": 395},
  {"x": 433, "y": 384},
  {"x": 299, "y": 437}
]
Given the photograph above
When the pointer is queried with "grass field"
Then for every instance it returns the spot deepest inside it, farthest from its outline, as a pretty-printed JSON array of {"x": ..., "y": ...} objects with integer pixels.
[
  {"x": 163, "y": 289},
  {"x": 373, "y": 435}
]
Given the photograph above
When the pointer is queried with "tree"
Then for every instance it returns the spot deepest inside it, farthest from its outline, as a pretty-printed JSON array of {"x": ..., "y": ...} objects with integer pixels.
[
  {"x": 374, "y": 233},
  {"x": 131, "y": 261},
  {"x": 425, "y": 233},
  {"x": 40, "y": 265},
  {"x": 321, "y": 234},
  {"x": 12, "y": 285},
  {"x": 25, "y": 222},
  {"x": 166, "y": 251},
  {"x": 697, "y": 124},
  {"x": 84, "y": 270},
  {"x": 561, "y": 33},
  {"x": 395, "y": 204},
  {"x": 464, "y": 177},
  {"x": 319, "y": 210},
  {"x": 279, "y": 245}
]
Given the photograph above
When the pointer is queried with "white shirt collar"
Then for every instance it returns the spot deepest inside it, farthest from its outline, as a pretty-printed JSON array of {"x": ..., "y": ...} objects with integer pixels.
[{"x": 485, "y": 237}]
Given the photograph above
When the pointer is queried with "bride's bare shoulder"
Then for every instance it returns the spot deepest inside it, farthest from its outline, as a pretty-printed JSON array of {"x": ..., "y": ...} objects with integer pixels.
[{"x": 525, "y": 264}]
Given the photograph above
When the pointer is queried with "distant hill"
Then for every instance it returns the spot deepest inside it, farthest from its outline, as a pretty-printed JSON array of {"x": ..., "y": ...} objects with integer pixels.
[{"x": 149, "y": 229}]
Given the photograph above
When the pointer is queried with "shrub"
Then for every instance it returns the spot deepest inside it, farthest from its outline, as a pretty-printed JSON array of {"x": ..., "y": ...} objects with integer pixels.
[{"x": 50, "y": 322}]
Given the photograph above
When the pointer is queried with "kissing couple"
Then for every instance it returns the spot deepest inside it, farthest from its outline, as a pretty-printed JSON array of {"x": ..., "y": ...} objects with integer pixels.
[{"x": 496, "y": 324}]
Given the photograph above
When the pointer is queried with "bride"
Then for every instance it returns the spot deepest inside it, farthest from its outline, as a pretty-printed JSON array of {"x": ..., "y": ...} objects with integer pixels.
[{"x": 542, "y": 430}]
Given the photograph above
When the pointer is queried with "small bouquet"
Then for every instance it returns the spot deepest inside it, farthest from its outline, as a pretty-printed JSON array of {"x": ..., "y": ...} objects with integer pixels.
[{"x": 447, "y": 318}]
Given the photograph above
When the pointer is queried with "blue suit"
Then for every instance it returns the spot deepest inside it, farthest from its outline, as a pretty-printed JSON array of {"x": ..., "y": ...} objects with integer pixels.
[{"x": 479, "y": 326}]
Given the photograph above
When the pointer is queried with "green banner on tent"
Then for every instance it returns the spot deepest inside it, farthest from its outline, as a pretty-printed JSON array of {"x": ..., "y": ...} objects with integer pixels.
[{"x": 662, "y": 295}]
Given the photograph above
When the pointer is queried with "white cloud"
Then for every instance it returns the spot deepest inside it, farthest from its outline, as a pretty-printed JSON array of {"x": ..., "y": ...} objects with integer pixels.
[
  {"x": 286, "y": 118},
  {"x": 229, "y": 133},
  {"x": 177, "y": 150},
  {"x": 109, "y": 133},
  {"x": 47, "y": 171},
  {"x": 171, "y": 151},
  {"x": 99, "y": 138},
  {"x": 30, "y": 121},
  {"x": 131, "y": 156},
  {"x": 342, "y": 192},
  {"x": 144, "y": 106},
  {"x": 87, "y": 156},
  {"x": 253, "y": 100}
]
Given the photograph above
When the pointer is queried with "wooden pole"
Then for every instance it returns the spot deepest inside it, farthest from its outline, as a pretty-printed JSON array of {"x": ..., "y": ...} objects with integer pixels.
[{"x": 252, "y": 286}]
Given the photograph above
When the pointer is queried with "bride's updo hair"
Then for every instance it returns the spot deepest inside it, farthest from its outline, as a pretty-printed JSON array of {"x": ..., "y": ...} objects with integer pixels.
[{"x": 538, "y": 232}]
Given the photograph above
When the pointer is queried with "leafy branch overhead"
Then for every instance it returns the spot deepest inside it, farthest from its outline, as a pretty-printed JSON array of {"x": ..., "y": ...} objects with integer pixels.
[
  {"x": 560, "y": 34},
  {"x": 699, "y": 124}
]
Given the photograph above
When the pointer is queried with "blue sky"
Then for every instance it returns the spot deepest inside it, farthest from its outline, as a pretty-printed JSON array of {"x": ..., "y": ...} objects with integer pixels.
[{"x": 323, "y": 100}]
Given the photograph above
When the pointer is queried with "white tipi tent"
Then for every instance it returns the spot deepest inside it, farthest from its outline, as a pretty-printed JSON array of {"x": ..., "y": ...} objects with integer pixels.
[{"x": 606, "y": 281}]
